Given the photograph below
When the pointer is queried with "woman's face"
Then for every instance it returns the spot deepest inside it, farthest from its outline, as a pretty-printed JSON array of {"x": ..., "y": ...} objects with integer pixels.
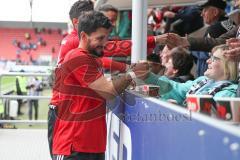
[
  {"x": 169, "y": 69},
  {"x": 165, "y": 55},
  {"x": 215, "y": 69}
]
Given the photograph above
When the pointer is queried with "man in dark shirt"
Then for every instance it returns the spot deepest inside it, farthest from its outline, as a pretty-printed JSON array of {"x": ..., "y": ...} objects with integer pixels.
[
  {"x": 206, "y": 43},
  {"x": 213, "y": 15}
]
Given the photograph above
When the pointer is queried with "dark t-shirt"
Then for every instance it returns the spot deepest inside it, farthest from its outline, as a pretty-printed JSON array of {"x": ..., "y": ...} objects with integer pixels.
[{"x": 223, "y": 25}]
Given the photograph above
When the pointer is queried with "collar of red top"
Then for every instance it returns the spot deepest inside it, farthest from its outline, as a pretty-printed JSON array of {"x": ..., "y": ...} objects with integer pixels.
[{"x": 74, "y": 31}]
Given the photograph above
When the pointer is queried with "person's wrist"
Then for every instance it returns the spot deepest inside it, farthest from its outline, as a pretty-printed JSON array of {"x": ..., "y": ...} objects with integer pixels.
[
  {"x": 128, "y": 67},
  {"x": 128, "y": 78},
  {"x": 186, "y": 42},
  {"x": 158, "y": 40},
  {"x": 132, "y": 75}
]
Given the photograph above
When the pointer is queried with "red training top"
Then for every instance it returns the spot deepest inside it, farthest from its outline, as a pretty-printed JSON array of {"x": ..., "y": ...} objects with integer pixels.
[{"x": 80, "y": 125}]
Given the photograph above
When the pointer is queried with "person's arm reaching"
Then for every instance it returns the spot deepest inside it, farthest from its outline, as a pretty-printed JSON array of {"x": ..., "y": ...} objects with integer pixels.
[
  {"x": 112, "y": 65},
  {"x": 123, "y": 47},
  {"x": 206, "y": 44},
  {"x": 110, "y": 89},
  {"x": 201, "y": 43},
  {"x": 168, "y": 89}
]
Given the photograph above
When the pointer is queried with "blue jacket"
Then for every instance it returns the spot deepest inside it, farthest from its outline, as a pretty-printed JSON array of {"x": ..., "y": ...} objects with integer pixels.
[{"x": 173, "y": 90}]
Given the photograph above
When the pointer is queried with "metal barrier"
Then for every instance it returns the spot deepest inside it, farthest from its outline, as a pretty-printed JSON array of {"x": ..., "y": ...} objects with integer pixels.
[
  {"x": 10, "y": 97},
  {"x": 42, "y": 122},
  {"x": 20, "y": 74}
]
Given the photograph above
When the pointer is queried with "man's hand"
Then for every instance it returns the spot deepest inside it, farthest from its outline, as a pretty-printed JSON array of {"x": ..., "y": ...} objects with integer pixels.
[
  {"x": 232, "y": 40},
  {"x": 175, "y": 40},
  {"x": 232, "y": 54},
  {"x": 233, "y": 43},
  {"x": 141, "y": 70},
  {"x": 169, "y": 14},
  {"x": 161, "y": 39}
]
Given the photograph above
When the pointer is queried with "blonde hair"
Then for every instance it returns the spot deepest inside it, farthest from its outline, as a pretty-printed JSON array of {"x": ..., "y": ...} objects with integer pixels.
[{"x": 230, "y": 67}]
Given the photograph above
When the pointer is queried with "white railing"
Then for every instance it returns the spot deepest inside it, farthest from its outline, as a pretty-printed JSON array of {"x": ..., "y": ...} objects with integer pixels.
[{"x": 9, "y": 97}]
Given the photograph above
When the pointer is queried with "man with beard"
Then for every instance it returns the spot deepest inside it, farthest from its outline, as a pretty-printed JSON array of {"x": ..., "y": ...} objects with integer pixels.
[
  {"x": 71, "y": 41},
  {"x": 79, "y": 127},
  {"x": 111, "y": 48}
]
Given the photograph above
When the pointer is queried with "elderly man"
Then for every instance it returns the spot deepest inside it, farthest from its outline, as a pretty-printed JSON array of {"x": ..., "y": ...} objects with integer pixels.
[
  {"x": 206, "y": 43},
  {"x": 214, "y": 15}
]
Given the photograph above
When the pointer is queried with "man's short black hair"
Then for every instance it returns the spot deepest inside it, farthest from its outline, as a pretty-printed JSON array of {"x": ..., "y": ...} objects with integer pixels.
[
  {"x": 90, "y": 21},
  {"x": 79, "y": 7},
  {"x": 182, "y": 61},
  {"x": 107, "y": 8}
]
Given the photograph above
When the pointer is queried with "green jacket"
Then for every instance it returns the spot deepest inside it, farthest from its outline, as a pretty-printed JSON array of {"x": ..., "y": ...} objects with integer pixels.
[
  {"x": 173, "y": 90},
  {"x": 123, "y": 26}
]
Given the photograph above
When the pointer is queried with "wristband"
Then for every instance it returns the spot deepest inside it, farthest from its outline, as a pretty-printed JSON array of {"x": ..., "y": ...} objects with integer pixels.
[{"x": 132, "y": 74}]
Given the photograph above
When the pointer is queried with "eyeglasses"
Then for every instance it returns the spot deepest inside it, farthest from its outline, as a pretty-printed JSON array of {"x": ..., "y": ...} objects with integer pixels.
[{"x": 213, "y": 58}]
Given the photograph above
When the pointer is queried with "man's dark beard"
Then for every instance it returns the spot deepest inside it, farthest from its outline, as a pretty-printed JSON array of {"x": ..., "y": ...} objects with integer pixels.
[{"x": 95, "y": 53}]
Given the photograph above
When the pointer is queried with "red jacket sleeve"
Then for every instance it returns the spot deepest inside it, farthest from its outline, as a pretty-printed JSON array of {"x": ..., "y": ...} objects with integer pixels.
[
  {"x": 123, "y": 48},
  {"x": 112, "y": 65}
]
